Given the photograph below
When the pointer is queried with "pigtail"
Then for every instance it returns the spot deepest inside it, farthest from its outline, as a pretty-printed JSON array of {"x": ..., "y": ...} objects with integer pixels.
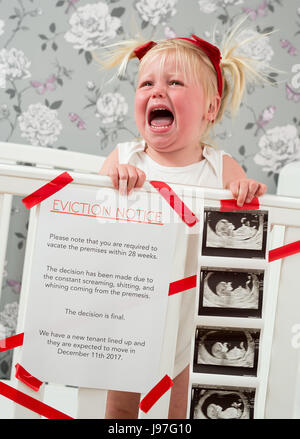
[
  {"x": 238, "y": 69},
  {"x": 118, "y": 54}
]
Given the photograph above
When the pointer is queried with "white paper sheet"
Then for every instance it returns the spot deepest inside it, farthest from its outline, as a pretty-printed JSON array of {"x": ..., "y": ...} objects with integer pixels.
[{"x": 98, "y": 289}]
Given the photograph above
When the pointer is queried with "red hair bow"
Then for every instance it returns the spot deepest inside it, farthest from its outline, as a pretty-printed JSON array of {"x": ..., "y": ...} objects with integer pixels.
[
  {"x": 142, "y": 50},
  {"x": 209, "y": 49}
]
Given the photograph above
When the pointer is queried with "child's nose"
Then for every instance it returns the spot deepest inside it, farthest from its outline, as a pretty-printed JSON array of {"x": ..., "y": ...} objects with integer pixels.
[{"x": 158, "y": 92}]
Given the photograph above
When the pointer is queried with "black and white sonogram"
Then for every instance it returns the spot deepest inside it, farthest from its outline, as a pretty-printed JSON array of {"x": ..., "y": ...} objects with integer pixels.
[
  {"x": 241, "y": 233},
  {"x": 226, "y": 351},
  {"x": 231, "y": 292},
  {"x": 208, "y": 402}
]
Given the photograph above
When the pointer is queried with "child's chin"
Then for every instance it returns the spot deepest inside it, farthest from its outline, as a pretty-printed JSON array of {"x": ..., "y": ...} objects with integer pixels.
[{"x": 160, "y": 146}]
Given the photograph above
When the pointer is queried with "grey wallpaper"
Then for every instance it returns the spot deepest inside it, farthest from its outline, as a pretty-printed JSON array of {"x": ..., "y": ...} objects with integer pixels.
[{"x": 53, "y": 94}]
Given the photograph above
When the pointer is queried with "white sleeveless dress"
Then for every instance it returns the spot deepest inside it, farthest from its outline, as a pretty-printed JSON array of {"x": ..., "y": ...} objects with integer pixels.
[{"x": 206, "y": 173}]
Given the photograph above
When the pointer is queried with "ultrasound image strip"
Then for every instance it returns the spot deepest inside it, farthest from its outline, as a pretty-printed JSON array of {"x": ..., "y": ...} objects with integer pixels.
[
  {"x": 231, "y": 292},
  {"x": 218, "y": 402},
  {"x": 226, "y": 351},
  {"x": 235, "y": 234}
]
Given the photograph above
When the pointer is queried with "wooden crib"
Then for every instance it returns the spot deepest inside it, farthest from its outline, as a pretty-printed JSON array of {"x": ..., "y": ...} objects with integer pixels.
[{"x": 279, "y": 360}]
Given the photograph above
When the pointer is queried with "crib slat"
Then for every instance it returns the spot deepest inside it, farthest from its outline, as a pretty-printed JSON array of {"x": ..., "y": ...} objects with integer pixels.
[
  {"x": 160, "y": 409},
  {"x": 91, "y": 403},
  {"x": 278, "y": 236},
  {"x": 5, "y": 211},
  {"x": 32, "y": 224},
  {"x": 19, "y": 411},
  {"x": 281, "y": 399}
]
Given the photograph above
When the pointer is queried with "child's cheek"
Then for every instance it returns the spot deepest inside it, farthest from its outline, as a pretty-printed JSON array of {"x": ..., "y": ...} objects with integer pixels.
[{"x": 140, "y": 115}]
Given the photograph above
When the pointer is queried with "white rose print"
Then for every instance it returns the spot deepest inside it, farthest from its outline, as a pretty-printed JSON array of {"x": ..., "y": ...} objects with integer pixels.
[
  {"x": 210, "y": 6},
  {"x": 8, "y": 318},
  {"x": 278, "y": 147},
  {"x": 156, "y": 11},
  {"x": 296, "y": 78},
  {"x": 13, "y": 65},
  {"x": 40, "y": 125},
  {"x": 92, "y": 26},
  {"x": 258, "y": 49},
  {"x": 3, "y": 332},
  {"x": 111, "y": 107}
]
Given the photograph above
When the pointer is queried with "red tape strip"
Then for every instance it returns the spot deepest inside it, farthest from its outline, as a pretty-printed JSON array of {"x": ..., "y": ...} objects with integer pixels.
[
  {"x": 175, "y": 202},
  {"x": 26, "y": 378},
  {"x": 31, "y": 403},
  {"x": 157, "y": 392},
  {"x": 285, "y": 250},
  {"x": 229, "y": 205},
  {"x": 11, "y": 342},
  {"x": 182, "y": 285},
  {"x": 47, "y": 190}
]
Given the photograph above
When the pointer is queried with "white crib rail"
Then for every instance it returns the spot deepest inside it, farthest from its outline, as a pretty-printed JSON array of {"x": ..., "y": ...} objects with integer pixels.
[{"x": 11, "y": 153}]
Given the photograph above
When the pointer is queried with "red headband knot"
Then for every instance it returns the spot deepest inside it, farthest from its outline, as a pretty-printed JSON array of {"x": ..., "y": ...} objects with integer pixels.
[{"x": 210, "y": 50}]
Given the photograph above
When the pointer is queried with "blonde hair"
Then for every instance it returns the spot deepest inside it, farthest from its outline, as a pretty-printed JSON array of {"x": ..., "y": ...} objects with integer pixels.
[{"x": 236, "y": 67}]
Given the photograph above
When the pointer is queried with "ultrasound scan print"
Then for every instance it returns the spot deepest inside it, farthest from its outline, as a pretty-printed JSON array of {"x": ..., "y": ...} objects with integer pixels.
[
  {"x": 229, "y": 292},
  {"x": 235, "y": 233},
  {"x": 209, "y": 402},
  {"x": 226, "y": 351}
]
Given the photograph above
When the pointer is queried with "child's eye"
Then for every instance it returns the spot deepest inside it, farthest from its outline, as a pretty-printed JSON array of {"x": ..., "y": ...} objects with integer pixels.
[
  {"x": 175, "y": 82},
  {"x": 146, "y": 84}
]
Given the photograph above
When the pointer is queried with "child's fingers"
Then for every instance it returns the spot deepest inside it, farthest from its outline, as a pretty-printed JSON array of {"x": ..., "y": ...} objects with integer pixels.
[
  {"x": 129, "y": 178},
  {"x": 114, "y": 175},
  {"x": 141, "y": 178},
  {"x": 132, "y": 178},
  {"x": 252, "y": 190},
  {"x": 123, "y": 179},
  {"x": 262, "y": 189},
  {"x": 243, "y": 192},
  {"x": 255, "y": 190},
  {"x": 234, "y": 188},
  {"x": 239, "y": 190},
  {"x": 123, "y": 186}
]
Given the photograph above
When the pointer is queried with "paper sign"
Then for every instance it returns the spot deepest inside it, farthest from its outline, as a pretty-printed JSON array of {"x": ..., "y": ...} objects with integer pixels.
[{"x": 99, "y": 289}]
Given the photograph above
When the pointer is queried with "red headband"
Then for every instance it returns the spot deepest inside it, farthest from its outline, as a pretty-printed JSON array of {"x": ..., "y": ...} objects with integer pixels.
[{"x": 210, "y": 50}]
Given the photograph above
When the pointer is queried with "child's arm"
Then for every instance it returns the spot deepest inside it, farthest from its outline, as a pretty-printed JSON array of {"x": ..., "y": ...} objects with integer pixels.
[
  {"x": 243, "y": 188},
  {"x": 124, "y": 177}
]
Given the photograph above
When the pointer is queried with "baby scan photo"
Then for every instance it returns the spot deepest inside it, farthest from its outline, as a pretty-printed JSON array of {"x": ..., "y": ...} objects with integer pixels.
[
  {"x": 208, "y": 402},
  {"x": 226, "y": 351},
  {"x": 238, "y": 234},
  {"x": 231, "y": 292}
]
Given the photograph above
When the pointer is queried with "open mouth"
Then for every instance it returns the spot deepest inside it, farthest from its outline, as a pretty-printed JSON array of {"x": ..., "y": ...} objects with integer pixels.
[{"x": 160, "y": 118}]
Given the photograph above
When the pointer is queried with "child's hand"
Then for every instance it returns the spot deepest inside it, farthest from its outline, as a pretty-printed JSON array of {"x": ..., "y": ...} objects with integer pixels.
[
  {"x": 125, "y": 177},
  {"x": 244, "y": 190}
]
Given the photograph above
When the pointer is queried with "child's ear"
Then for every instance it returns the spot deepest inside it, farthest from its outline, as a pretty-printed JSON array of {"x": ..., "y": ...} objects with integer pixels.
[{"x": 213, "y": 108}]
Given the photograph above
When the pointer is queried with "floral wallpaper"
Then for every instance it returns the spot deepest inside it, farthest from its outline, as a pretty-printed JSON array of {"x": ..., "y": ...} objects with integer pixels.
[{"x": 54, "y": 95}]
